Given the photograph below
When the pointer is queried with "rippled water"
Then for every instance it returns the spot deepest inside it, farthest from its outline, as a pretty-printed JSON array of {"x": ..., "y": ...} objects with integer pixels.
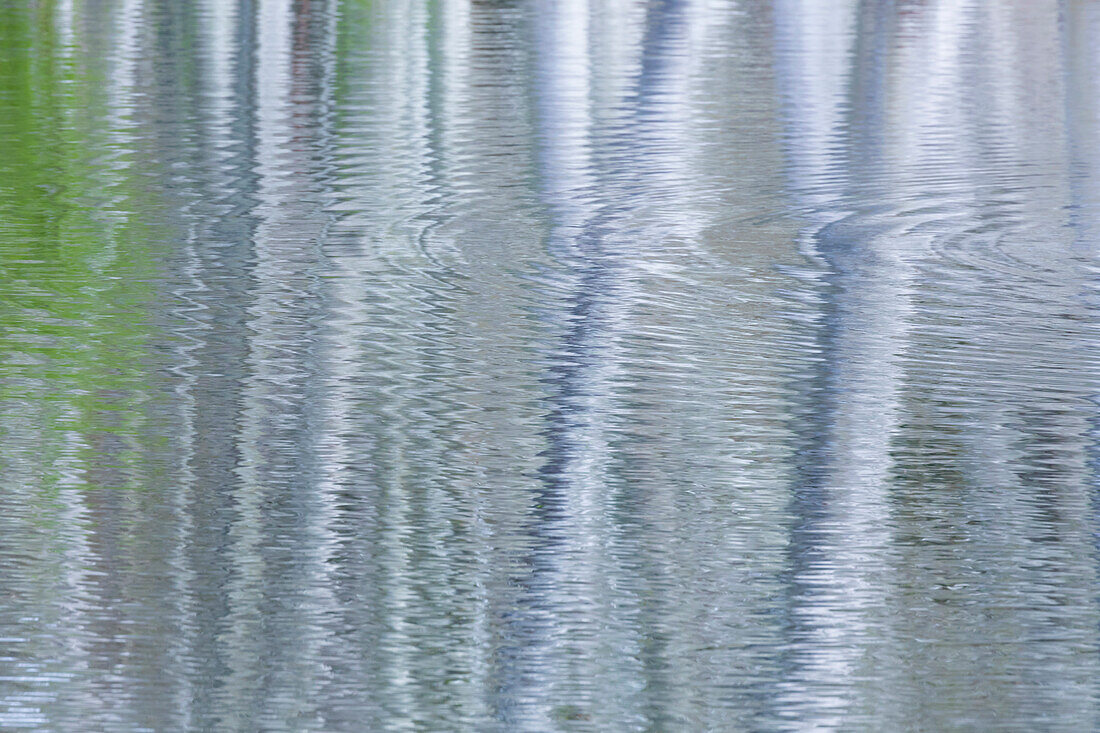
[{"x": 552, "y": 365}]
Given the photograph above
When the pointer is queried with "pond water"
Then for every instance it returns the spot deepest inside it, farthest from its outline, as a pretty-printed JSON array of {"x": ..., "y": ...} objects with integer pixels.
[{"x": 553, "y": 365}]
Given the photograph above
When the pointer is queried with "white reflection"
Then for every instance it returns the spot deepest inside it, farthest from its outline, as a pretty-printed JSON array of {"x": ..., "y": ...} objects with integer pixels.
[{"x": 900, "y": 170}]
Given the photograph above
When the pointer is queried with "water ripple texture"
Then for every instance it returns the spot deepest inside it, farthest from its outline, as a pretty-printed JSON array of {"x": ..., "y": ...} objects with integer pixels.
[{"x": 580, "y": 365}]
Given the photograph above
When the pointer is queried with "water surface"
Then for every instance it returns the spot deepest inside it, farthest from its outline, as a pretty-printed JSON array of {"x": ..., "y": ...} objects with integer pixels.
[{"x": 553, "y": 365}]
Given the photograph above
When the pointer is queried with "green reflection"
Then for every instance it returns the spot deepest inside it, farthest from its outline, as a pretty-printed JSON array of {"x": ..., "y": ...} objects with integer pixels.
[{"x": 78, "y": 249}]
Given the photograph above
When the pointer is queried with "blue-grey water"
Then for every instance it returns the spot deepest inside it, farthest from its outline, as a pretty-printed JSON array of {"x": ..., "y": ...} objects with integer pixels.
[{"x": 581, "y": 365}]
